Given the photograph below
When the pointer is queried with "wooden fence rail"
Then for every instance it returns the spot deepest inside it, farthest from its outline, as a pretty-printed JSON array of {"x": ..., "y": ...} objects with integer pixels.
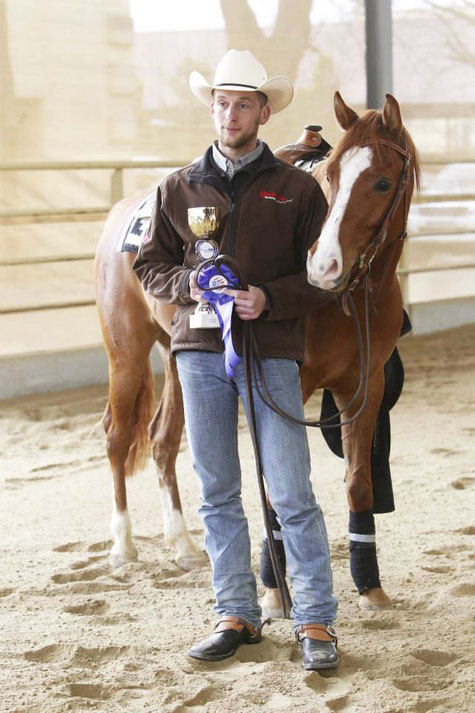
[{"x": 117, "y": 168}]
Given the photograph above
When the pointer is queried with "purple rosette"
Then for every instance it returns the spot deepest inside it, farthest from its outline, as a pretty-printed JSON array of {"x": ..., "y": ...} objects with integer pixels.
[{"x": 212, "y": 280}]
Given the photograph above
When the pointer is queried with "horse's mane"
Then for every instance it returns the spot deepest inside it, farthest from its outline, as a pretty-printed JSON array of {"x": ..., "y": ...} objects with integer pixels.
[{"x": 370, "y": 128}]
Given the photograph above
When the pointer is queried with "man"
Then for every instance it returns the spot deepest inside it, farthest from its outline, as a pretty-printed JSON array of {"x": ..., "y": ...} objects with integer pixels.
[{"x": 269, "y": 215}]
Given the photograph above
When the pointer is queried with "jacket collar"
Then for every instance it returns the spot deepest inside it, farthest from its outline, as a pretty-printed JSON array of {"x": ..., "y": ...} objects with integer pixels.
[{"x": 206, "y": 168}]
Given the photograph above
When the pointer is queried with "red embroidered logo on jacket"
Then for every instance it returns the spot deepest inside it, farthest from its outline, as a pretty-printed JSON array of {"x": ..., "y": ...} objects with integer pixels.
[{"x": 271, "y": 196}]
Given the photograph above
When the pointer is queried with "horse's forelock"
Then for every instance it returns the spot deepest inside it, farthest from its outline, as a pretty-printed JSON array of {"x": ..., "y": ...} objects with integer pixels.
[{"x": 370, "y": 128}]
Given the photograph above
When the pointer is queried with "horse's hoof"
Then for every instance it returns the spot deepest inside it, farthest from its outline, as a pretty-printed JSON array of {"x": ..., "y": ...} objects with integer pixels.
[
  {"x": 375, "y": 599},
  {"x": 117, "y": 560},
  {"x": 271, "y": 606},
  {"x": 189, "y": 562}
]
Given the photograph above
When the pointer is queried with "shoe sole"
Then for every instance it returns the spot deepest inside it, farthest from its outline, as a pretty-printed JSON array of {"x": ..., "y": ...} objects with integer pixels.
[
  {"x": 220, "y": 657},
  {"x": 217, "y": 657}
]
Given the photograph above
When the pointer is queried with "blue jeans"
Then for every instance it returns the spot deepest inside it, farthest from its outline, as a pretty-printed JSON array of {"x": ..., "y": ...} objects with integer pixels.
[{"x": 211, "y": 417}]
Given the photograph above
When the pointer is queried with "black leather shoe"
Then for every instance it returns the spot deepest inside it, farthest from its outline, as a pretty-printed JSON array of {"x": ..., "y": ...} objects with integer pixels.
[
  {"x": 318, "y": 643},
  {"x": 230, "y": 632}
]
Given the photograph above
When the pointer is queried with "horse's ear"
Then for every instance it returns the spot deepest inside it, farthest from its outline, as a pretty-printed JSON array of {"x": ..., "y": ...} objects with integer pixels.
[
  {"x": 392, "y": 118},
  {"x": 345, "y": 116}
]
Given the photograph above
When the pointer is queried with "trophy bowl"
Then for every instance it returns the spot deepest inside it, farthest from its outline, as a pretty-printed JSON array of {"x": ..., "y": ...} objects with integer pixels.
[{"x": 203, "y": 221}]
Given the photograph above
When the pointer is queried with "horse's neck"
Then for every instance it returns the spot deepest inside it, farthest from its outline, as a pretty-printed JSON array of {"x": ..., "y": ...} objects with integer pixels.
[
  {"x": 384, "y": 266},
  {"x": 319, "y": 173}
]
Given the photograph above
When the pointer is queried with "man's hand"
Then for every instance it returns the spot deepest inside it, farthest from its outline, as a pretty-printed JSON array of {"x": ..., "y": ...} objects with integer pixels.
[
  {"x": 249, "y": 304},
  {"x": 196, "y": 293}
]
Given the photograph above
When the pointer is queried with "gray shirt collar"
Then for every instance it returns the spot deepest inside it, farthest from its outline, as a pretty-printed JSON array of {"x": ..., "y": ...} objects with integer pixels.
[{"x": 231, "y": 167}]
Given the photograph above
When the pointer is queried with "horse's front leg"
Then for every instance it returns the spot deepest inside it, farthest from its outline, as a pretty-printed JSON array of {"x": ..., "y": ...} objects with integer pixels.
[
  {"x": 357, "y": 440},
  {"x": 165, "y": 432}
]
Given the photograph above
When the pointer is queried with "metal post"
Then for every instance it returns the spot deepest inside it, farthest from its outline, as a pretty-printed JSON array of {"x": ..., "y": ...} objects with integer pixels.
[
  {"x": 379, "y": 61},
  {"x": 117, "y": 185}
]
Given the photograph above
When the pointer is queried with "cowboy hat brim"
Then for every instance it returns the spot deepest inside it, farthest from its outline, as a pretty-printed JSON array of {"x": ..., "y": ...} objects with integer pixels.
[{"x": 278, "y": 90}]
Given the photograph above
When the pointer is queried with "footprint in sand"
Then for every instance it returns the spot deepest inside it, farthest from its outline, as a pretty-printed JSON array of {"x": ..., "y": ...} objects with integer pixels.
[
  {"x": 87, "y": 690},
  {"x": 463, "y": 483},
  {"x": 414, "y": 684},
  {"x": 379, "y": 624},
  {"x": 54, "y": 653},
  {"x": 331, "y": 686},
  {"x": 89, "y": 608},
  {"x": 268, "y": 650},
  {"x": 339, "y": 550},
  {"x": 90, "y": 588},
  {"x": 464, "y": 590},
  {"x": 442, "y": 569},
  {"x": 203, "y": 696},
  {"x": 118, "y": 620},
  {"x": 176, "y": 578},
  {"x": 470, "y": 530},
  {"x": 70, "y": 655},
  {"x": 338, "y": 704},
  {"x": 83, "y": 547},
  {"x": 444, "y": 452},
  {"x": 82, "y": 575},
  {"x": 81, "y": 564},
  {"x": 439, "y": 704},
  {"x": 434, "y": 658},
  {"x": 89, "y": 657},
  {"x": 447, "y": 551}
]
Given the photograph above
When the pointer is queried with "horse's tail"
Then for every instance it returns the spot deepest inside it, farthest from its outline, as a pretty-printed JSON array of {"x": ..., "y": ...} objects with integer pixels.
[{"x": 142, "y": 414}]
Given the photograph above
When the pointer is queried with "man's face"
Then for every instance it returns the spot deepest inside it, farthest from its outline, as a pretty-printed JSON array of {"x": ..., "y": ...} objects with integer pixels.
[{"x": 237, "y": 117}]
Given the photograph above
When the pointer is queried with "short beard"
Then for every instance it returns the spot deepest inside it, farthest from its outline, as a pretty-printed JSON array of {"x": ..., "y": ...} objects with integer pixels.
[{"x": 238, "y": 142}]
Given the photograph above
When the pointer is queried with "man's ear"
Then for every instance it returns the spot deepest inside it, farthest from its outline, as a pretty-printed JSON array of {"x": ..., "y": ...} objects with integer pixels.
[
  {"x": 211, "y": 108},
  {"x": 265, "y": 115}
]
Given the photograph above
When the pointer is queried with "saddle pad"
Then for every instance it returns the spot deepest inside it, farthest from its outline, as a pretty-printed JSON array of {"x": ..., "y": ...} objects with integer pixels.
[{"x": 137, "y": 226}]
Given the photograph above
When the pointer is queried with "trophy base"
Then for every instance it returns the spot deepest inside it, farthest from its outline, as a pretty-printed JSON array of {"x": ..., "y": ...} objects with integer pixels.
[{"x": 204, "y": 317}]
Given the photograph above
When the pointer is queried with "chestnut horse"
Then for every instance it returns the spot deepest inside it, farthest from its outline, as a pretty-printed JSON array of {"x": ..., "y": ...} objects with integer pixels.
[{"x": 368, "y": 180}]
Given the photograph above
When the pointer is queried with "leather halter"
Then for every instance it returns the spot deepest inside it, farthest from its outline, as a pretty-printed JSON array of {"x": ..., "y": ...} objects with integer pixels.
[{"x": 364, "y": 262}]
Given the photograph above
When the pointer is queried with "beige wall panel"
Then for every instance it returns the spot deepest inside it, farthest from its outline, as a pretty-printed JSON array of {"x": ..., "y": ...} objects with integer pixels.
[{"x": 78, "y": 83}]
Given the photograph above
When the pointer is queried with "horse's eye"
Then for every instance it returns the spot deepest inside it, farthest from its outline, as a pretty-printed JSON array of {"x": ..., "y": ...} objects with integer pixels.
[{"x": 383, "y": 185}]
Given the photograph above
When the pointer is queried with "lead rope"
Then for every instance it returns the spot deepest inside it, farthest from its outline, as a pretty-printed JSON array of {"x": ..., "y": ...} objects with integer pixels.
[
  {"x": 363, "y": 380},
  {"x": 252, "y": 368},
  {"x": 284, "y": 594}
]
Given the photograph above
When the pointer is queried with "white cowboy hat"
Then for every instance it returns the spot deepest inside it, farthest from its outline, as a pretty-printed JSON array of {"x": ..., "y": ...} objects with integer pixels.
[{"x": 241, "y": 71}]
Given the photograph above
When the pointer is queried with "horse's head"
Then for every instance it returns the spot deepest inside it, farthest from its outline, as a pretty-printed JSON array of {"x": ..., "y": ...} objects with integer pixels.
[{"x": 371, "y": 175}]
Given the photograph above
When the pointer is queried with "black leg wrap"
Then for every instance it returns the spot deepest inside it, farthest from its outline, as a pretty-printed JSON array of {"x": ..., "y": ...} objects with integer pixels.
[
  {"x": 266, "y": 571},
  {"x": 363, "y": 560}
]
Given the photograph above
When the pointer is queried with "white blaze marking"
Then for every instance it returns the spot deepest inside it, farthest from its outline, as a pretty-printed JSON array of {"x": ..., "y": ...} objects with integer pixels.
[{"x": 352, "y": 164}]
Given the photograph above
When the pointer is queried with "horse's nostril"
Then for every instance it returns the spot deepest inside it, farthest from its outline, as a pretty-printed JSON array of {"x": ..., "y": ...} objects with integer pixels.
[{"x": 329, "y": 269}]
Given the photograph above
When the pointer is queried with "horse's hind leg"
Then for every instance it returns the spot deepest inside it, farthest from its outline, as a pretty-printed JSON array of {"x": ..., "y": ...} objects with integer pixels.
[
  {"x": 271, "y": 602},
  {"x": 128, "y": 413},
  {"x": 165, "y": 433}
]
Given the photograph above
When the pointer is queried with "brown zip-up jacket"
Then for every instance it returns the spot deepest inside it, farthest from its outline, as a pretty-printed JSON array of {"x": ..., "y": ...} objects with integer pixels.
[{"x": 270, "y": 214}]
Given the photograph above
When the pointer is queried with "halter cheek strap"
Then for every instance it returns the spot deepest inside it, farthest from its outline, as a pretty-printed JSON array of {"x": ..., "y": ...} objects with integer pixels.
[{"x": 366, "y": 258}]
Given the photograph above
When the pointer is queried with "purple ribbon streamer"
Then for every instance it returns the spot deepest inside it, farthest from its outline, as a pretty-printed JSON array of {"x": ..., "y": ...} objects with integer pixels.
[{"x": 223, "y": 305}]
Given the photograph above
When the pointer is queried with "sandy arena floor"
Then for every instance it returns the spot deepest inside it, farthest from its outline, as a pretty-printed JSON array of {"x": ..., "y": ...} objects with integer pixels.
[{"x": 79, "y": 636}]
